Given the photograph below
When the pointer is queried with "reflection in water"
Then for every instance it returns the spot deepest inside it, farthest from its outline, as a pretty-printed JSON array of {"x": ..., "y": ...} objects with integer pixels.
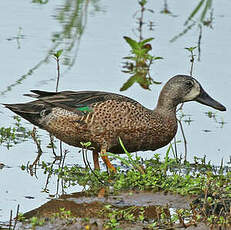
[
  {"x": 18, "y": 37},
  {"x": 40, "y": 1},
  {"x": 219, "y": 120},
  {"x": 138, "y": 64},
  {"x": 165, "y": 9},
  {"x": 53, "y": 170},
  {"x": 73, "y": 18},
  {"x": 205, "y": 7},
  {"x": 81, "y": 211}
]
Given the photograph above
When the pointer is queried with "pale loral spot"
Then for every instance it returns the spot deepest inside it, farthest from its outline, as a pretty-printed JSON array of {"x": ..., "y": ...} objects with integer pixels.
[{"x": 195, "y": 91}]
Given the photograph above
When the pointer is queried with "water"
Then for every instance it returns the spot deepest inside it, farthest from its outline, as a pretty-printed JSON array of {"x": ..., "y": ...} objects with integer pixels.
[{"x": 27, "y": 31}]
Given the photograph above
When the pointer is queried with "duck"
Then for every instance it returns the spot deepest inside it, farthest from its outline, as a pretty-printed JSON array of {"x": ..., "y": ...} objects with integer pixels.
[{"x": 101, "y": 118}]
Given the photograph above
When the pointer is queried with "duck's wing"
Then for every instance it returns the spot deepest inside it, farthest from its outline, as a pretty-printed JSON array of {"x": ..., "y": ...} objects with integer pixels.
[
  {"x": 77, "y": 100},
  {"x": 81, "y": 103}
]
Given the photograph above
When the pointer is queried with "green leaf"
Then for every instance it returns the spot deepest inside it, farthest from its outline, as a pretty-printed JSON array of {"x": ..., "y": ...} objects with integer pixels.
[
  {"x": 133, "y": 44},
  {"x": 40, "y": 1},
  {"x": 129, "y": 83},
  {"x": 58, "y": 53},
  {"x": 157, "y": 58},
  {"x": 190, "y": 49},
  {"x": 207, "y": 6},
  {"x": 129, "y": 57},
  {"x": 145, "y": 41},
  {"x": 143, "y": 81},
  {"x": 157, "y": 82},
  {"x": 188, "y": 28},
  {"x": 23, "y": 167},
  {"x": 143, "y": 2},
  {"x": 146, "y": 48},
  {"x": 122, "y": 159},
  {"x": 130, "y": 157},
  {"x": 85, "y": 144}
]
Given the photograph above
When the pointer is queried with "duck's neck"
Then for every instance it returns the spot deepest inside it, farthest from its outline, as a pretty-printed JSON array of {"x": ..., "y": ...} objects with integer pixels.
[
  {"x": 167, "y": 101},
  {"x": 166, "y": 105}
]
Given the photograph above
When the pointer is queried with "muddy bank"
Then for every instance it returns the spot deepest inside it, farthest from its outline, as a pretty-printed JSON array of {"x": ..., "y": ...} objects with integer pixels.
[{"x": 129, "y": 210}]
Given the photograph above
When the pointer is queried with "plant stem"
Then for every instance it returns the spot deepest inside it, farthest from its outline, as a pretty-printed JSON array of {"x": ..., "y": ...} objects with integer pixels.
[
  {"x": 58, "y": 72},
  {"x": 185, "y": 141},
  {"x": 141, "y": 22},
  {"x": 199, "y": 42},
  {"x": 192, "y": 63}
]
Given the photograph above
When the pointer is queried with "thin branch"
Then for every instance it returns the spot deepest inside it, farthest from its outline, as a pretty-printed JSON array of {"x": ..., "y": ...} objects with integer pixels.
[
  {"x": 84, "y": 160},
  {"x": 10, "y": 221},
  {"x": 58, "y": 72},
  {"x": 16, "y": 218},
  {"x": 57, "y": 55},
  {"x": 192, "y": 64},
  {"x": 49, "y": 175},
  {"x": 141, "y": 21},
  {"x": 199, "y": 42},
  {"x": 87, "y": 164},
  {"x": 175, "y": 149},
  {"x": 37, "y": 142},
  {"x": 185, "y": 141},
  {"x": 52, "y": 144},
  {"x": 61, "y": 149}
]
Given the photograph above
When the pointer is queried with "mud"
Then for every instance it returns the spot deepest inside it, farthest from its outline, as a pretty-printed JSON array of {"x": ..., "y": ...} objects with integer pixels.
[{"x": 89, "y": 212}]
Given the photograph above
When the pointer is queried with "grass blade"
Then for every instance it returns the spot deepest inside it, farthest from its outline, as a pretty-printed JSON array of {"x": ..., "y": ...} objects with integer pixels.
[{"x": 194, "y": 11}]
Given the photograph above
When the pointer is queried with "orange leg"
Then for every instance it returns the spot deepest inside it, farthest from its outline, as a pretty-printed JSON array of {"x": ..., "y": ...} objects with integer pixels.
[
  {"x": 107, "y": 161},
  {"x": 96, "y": 159}
]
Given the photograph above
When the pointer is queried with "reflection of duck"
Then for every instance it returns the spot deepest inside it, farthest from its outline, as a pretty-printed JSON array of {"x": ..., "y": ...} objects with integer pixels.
[{"x": 101, "y": 117}]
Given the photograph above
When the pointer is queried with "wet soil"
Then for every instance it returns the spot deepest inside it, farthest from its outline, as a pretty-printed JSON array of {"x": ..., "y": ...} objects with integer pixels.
[{"x": 89, "y": 212}]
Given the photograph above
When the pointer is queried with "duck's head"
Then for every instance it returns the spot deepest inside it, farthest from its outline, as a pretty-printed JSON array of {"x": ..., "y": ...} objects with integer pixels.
[{"x": 183, "y": 88}]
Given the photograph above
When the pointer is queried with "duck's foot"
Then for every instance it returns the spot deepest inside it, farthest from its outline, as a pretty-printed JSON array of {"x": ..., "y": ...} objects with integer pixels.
[
  {"x": 101, "y": 193},
  {"x": 110, "y": 167},
  {"x": 96, "y": 160}
]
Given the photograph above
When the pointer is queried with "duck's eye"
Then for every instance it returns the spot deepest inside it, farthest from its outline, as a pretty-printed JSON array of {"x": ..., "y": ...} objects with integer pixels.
[{"x": 189, "y": 84}]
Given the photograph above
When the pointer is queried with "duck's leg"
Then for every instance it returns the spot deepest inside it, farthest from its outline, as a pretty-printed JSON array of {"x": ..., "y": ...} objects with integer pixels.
[
  {"x": 96, "y": 159},
  {"x": 107, "y": 161}
]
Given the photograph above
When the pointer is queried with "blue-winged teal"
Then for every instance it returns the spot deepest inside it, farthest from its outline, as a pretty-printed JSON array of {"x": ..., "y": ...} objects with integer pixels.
[{"x": 101, "y": 117}]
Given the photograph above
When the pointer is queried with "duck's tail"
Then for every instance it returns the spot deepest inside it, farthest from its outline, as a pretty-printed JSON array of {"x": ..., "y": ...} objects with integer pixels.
[{"x": 27, "y": 111}]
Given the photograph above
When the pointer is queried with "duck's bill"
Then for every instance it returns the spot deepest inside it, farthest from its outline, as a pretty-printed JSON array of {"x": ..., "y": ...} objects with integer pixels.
[{"x": 205, "y": 99}]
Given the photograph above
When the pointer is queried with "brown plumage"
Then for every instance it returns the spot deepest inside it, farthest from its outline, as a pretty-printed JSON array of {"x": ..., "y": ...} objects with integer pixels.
[{"x": 101, "y": 117}]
